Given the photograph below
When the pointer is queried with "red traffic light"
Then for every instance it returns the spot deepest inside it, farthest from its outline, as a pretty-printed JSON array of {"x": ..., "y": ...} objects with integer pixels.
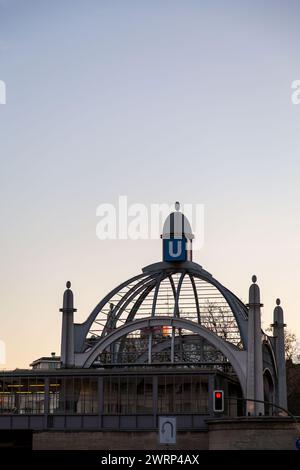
[{"x": 218, "y": 401}]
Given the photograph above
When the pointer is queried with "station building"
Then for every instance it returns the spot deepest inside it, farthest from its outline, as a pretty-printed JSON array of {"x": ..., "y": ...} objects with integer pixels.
[{"x": 159, "y": 344}]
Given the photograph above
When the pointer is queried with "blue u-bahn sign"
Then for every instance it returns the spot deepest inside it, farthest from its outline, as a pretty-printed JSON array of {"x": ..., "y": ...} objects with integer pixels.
[{"x": 174, "y": 249}]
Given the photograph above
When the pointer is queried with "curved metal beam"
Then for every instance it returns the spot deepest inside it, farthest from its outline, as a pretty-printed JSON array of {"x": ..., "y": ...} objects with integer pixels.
[
  {"x": 127, "y": 298},
  {"x": 156, "y": 283},
  {"x": 172, "y": 285},
  {"x": 236, "y": 357},
  {"x": 161, "y": 277},
  {"x": 133, "y": 311},
  {"x": 176, "y": 306},
  {"x": 139, "y": 301},
  {"x": 196, "y": 298},
  {"x": 268, "y": 346},
  {"x": 130, "y": 295},
  {"x": 82, "y": 329},
  {"x": 238, "y": 309}
]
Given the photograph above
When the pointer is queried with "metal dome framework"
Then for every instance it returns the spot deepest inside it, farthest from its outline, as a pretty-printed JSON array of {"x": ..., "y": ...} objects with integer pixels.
[
  {"x": 174, "y": 289},
  {"x": 176, "y": 314},
  {"x": 163, "y": 292},
  {"x": 172, "y": 294}
]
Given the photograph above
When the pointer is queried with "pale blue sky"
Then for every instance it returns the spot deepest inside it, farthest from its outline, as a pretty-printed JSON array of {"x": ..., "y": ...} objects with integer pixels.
[{"x": 159, "y": 101}]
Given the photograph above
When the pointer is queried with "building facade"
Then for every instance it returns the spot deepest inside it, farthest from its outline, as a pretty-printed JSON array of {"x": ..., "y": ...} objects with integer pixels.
[{"x": 158, "y": 344}]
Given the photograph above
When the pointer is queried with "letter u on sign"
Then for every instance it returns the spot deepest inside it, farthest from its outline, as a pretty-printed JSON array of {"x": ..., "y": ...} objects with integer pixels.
[
  {"x": 173, "y": 247},
  {"x": 174, "y": 250}
]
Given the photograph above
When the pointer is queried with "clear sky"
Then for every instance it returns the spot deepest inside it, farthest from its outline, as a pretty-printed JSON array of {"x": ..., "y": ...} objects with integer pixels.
[{"x": 159, "y": 101}]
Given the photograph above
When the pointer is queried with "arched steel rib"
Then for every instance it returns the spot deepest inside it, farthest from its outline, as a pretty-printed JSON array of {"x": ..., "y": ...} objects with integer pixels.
[
  {"x": 124, "y": 301},
  {"x": 132, "y": 313},
  {"x": 154, "y": 302},
  {"x": 238, "y": 359},
  {"x": 176, "y": 306},
  {"x": 172, "y": 285},
  {"x": 139, "y": 301},
  {"x": 196, "y": 298},
  {"x": 81, "y": 329}
]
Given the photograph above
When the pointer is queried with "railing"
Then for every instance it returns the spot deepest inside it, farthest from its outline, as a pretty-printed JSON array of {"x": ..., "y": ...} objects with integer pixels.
[{"x": 271, "y": 408}]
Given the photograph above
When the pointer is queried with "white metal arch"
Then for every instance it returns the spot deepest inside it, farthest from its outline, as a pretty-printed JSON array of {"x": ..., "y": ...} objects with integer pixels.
[{"x": 236, "y": 357}]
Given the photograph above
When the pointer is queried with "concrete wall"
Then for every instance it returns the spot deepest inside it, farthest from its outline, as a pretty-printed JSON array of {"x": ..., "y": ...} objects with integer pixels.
[
  {"x": 268, "y": 433},
  {"x": 265, "y": 433},
  {"x": 115, "y": 440}
]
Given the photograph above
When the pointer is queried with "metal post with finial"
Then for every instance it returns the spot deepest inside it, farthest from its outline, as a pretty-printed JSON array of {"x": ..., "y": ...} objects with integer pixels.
[
  {"x": 278, "y": 333},
  {"x": 255, "y": 389},
  {"x": 67, "y": 356}
]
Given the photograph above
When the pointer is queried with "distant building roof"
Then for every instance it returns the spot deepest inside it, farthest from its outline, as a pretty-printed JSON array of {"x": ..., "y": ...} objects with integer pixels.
[{"x": 44, "y": 362}]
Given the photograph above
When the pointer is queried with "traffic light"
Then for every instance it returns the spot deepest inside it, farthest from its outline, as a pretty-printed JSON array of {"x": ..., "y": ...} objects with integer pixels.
[{"x": 218, "y": 401}]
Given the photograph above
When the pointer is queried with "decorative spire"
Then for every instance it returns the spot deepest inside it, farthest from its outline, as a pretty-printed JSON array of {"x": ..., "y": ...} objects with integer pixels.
[
  {"x": 254, "y": 293},
  {"x": 177, "y": 206},
  {"x": 278, "y": 317},
  {"x": 68, "y": 300},
  {"x": 278, "y": 334},
  {"x": 67, "y": 333},
  {"x": 254, "y": 387}
]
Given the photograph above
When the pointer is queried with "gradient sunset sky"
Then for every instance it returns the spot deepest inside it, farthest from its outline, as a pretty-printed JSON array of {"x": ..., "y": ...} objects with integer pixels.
[{"x": 159, "y": 101}]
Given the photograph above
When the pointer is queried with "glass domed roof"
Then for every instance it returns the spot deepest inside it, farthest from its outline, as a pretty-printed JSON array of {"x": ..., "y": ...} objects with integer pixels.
[
  {"x": 164, "y": 292},
  {"x": 188, "y": 292}
]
